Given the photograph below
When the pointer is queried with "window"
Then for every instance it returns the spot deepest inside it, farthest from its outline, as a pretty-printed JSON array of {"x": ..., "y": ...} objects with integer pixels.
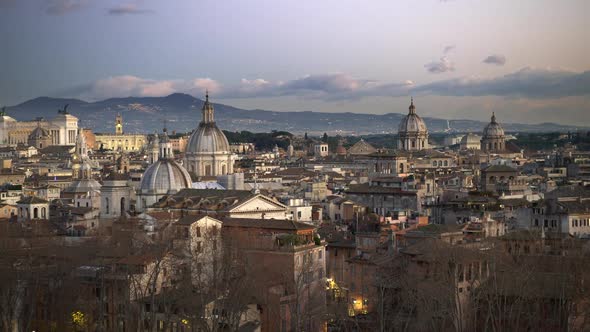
[
  {"x": 198, "y": 231},
  {"x": 199, "y": 247}
]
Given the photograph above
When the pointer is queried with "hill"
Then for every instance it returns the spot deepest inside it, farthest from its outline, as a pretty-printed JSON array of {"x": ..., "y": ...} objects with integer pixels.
[{"x": 181, "y": 112}]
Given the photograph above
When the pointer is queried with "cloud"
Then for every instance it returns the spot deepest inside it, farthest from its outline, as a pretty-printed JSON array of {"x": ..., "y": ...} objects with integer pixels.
[
  {"x": 129, "y": 85},
  {"x": 531, "y": 83},
  {"x": 61, "y": 7},
  {"x": 127, "y": 9},
  {"x": 448, "y": 48},
  {"x": 495, "y": 59},
  {"x": 442, "y": 66},
  {"x": 338, "y": 86},
  {"x": 527, "y": 82}
]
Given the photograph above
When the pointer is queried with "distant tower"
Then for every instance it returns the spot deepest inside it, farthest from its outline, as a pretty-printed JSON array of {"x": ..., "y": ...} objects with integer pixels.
[
  {"x": 115, "y": 196},
  {"x": 81, "y": 146},
  {"x": 119, "y": 124},
  {"x": 81, "y": 168},
  {"x": 154, "y": 149},
  {"x": 166, "y": 146},
  {"x": 123, "y": 163},
  {"x": 290, "y": 150}
]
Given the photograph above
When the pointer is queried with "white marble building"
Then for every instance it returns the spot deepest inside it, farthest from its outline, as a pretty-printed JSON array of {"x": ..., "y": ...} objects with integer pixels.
[{"x": 63, "y": 129}]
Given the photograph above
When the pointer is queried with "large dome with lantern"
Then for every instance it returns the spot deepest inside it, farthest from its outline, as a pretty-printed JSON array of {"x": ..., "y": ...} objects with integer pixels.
[{"x": 208, "y": 152}]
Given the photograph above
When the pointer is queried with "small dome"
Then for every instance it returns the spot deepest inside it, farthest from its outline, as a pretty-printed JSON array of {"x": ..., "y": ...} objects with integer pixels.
[
  {"x": 412, "y": 123},
  {"x": 165, "y": 176},
  {"x": 83, "y": 186},
  {"x": 39, "y": 133},
  {"x": 493, "y": 129},
  {"x": 340, "y": 150}
]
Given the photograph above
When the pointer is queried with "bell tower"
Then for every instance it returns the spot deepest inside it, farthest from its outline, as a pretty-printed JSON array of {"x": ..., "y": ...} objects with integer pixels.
[{"x": 119, "y": 124}]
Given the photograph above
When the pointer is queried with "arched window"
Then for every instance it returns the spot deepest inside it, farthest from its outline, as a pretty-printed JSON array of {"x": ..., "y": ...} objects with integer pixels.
[
  {"x": 223, "y": 169},
  {"x": 446, "y": 163},
  {"x": 35, "y": 213},
  {"x": 122, "y": 205},
  {"x": 44, "y": 213},
  {"x": 401, "y": 168},
  {"x": 495, "y": 146}
]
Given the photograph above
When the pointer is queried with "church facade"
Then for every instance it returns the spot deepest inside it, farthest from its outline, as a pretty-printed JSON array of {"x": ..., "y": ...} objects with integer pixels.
[{"x": 120, "y": 140}]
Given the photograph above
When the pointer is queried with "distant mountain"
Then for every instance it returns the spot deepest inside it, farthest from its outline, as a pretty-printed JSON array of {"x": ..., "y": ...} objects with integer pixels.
[{"x": 182, "y": 113}]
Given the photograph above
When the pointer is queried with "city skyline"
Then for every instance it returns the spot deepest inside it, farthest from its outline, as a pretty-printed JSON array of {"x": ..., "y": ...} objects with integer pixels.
[{"x": 459, "y": 59}]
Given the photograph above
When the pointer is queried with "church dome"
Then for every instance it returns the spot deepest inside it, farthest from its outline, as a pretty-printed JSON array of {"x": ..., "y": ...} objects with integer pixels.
[
  {"x": 207, "y": 138},
  {"x": 39, "y": 133},
  {"x": 493, "y": 129},
  {"x": 412, "y": 123},
  {"x": 83, "y": 186},
  {"x": 165, "y": 176}
]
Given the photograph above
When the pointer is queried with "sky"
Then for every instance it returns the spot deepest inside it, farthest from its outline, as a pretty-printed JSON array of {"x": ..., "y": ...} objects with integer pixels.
[{"x": 526, "y": 60}]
